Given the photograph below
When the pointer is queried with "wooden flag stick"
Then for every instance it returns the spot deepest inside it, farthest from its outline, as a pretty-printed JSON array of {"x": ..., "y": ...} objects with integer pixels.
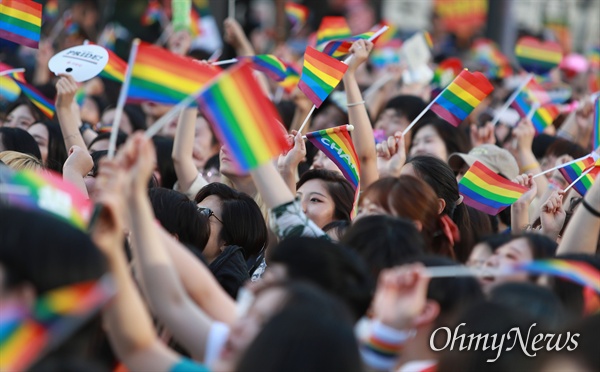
[
  {"x": 112, "y": 144},
  {"x": 307, "y": 117},
  {"x": 172, "y": 114},
  {"x": 231, "y": 9},
  {"x": 579, "y": 178},
  {"x": 423, "y": 112},
  {"x": 512, "y": 98},
  {"x": 224, "y": 62}
]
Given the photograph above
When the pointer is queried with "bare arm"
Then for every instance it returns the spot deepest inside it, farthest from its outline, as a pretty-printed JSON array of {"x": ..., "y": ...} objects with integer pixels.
[
  {"x": 183, "y": 148},
  {"x": 78, "y": 165},
  {"x": 519, "y": 211},
  {"x": 271, "y": 186},
  {"x": 68, "y": 112}
]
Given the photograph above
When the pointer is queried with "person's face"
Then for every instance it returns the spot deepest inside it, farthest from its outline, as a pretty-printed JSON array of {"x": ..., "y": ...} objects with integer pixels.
[
  {"x": 506, "y": 256},
  {"x": 267, "y": 303},
  {"x": 428, "y": 142},
  {"x": 40, "y": 134},
  {"x": 321, "y": 161},
  {"x": 109, "y": 117},
  {"x": 390, "y": 122},
  {"x": 368, "y": 207},
  {"x": 214, "y": 244},
  {"x": 204, "y": 148},
  {"x": 19, "y": 117},
  {"x": 479, "y": 255},
  {"x": 228, "y": 166},
  {"x": 331, "y": 116},
  {"x": 316, "y": 202},
  {"x": 89, "y": 111}
]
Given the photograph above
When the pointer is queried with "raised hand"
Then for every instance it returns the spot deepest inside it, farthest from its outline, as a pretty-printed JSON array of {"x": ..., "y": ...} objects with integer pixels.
[
  {"x": 482, "y": 135},
  {"x": 66, "y": 87},
  {"x": 524, "y": 133},
  {"x": 360, "y": 50},
  {"x": 527, "y": 181},
  {"x": 235, "y": 36},
  {"x": 553, "y": 214},
  {"x": 391, "y": 156},
  {"x": 296, "y": 155},
  {"x": 79, "y": 161}
]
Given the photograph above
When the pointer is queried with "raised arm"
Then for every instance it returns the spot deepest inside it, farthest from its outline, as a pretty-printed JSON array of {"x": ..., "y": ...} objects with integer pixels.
[
  {"x": 78, "y": 165},
  {"x": 165, "y": 292},
  {"x": 183, "y": 149},
  {"x": 363, "y": 138},
  {"x": 288, "y": 163},
  {"x": 67, "y": 111},
  {"x": 524, "y": 133},
  {"x": 519, "y": 211}
]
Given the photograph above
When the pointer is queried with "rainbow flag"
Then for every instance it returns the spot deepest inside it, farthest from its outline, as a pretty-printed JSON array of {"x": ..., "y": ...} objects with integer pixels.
[
  {"x": 332, "y": 28},
  {"x": 446, "y": 71},
  {"x": 579, "y": 272},
  {"x": 462, "y": 17},
  {"x": 388, "y": 55},
  {"x": 9, "y": 90},
  {"x": 291, "y": 80},
  {"x": 115, "y": 68},
  {"x": 596, "y": 124},
  {"x": 244, "y": 119},
  {"x": 25, "y": 335},
  {"x": 487, "y": 53},
  {"x": 320, "y": 75},
  {"x": 465, "y": 93},
  {"x": 341, "y": 47},
  {"x": 573, "y": 171},
  {"x": 536, "y": 56},
  {"x": 161, "y": 76},
  {"x": 195, "y": 28},
  {"x": 542, "y": 118},
  {"x": 50, "y": 12},
  {"x": 337, "y": 144},
  {"x": 297, "y": 15},
  {"x": 389, "y": 37},
  {"x": 34, "y": 95},
  {"x": 152, "y": 14},
  {"x": 47, "y": 192},
  {"x": 21, "y": 22},
  {"x": 487, "y": 191},
  {"x": 593, "y": 56},
  {"x": 268, "y": 64}
]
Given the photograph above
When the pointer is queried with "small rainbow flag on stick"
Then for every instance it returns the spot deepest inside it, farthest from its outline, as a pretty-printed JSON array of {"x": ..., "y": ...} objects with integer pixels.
[
  {"x": 34, "y": 95},
  {"x": 579, "y": 272},
  {"x": 536, "y": 56},
  {"x": 332, "y": 28},
  {"x": 337, "y": 144},
  {"x": 115, "y": 68},
  {"x": 488, "y": 192},
  {"x": 291, "y": 80},
  {"x": 544, "y": 115},
  {"x": 245, "y": 121},
  {"x": 152, "y": 14},
  {"x": 341, "y": 47},
  {"x": 297, "y": 15},
  {"x": 320, "y": 75},
  {"x": 48, "y": 192},
  {"x": 9, "y": 90},
  {"x": 268, "y": 64},
  {"x": 596, "y": 124},
  {"x": 21, "y": 22},
  {"x": 581, "y": 174},
  {"x": 161, "y": 76},
  {"x": 465, "y": 93}
]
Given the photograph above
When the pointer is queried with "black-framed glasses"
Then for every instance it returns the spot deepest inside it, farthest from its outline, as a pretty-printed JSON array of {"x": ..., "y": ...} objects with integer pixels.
[{"x": 207, "y": 212}]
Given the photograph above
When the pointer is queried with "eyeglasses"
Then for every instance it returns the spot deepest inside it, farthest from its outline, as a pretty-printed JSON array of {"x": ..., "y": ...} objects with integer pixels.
[{"x": 207, "y": 212}]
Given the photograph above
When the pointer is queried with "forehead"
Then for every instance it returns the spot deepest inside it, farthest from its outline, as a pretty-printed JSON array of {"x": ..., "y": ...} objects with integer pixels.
[
  {"x": 314, "y": 185},
  {"x": 426, "y": 131}
]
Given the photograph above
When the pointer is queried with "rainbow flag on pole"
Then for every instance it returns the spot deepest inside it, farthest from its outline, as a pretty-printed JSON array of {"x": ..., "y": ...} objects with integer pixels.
[
  {"x": 542, "y": 118},
  {"x": 573, "y": 171},
  {"x": 297, "y": 15},
  {"x": 536, "y": 56},
  {"x": 161, "y": 76},
  {"x": 341, "y": 47},
  {"x": 115, "y": 68},
  {"x": 579, "y": 272},
  {"x": 337, "y": 144},
  {"x": 291, "y": 80},
  {"x": 487, "y": 191},
  {"x": 320, "y": 75},
  {"x": 244, "y": 119},
  {"x": 461, "y": 97},
  {"x": 332, "y": 28},
  {"x": 268, "y": 64},
  {"x": 34, "y": 95},
  {"x": 21, "y": 22},
  {"x": 152, "y": 14},
  {"x": 596, "y": 124},
  {"x": 9, "y": 90}
]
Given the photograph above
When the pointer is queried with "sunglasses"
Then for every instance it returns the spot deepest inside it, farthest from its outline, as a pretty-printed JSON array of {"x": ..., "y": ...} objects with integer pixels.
[{"x": 207, "y": 212}]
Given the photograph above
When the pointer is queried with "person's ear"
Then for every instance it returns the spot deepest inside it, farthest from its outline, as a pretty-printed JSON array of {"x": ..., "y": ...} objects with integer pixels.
[
  {"x": 418, "y": 225},
  {"x": 442, "y": 205},
  {"x": 428, "y": 315}
]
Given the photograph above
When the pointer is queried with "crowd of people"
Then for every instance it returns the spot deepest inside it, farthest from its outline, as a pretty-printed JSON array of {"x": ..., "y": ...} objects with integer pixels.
[{"x": 279, "y": 268}]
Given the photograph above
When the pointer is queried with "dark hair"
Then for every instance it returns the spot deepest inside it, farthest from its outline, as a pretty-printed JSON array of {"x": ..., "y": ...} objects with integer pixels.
[
  {"x": 454, "y": 139},
  {"x": 164, "y": 161},
  {"x": 533, "y": 301},
  {"x": 378, "y": 192},
  {"x": 384, "y": 241},
  {"x": 39, "y": 249},
  {"x": 311, "y": 333},
  {"x": 57, "y": 152},
  {"x": 338, "y": 187},
  {"x": 286, "y": 110},
  {"x": 412, "y": 198},
  {"x": 23, "y": 101},
  {"x": 564, "y": 147},
  {"x": 121, "y": 138},
  {"x": 16, "y": 139},
  {"x": 334, "y": 268},
  {"x": 540, "y": 245},
  {"x": 213, "y": 162},
  {"x": 406, "y": 105},
  {"x": 136, "y": 116},
  {"x": 496, "y": 240},
  {"x": 440, "y": 177},
  {"x": 179, "y": 216},
  {"x": 243, "y": 222}
]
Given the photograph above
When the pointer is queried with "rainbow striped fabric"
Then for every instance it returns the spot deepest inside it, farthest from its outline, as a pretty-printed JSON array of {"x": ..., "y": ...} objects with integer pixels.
[
  {"x": 48, "y": 192},
  {"x": 460, "y": 17},
  {"x": 161, "y": 76},
  {"x": 115, "y": 68},
  {"x": 25, "y": 335},
  {"x": 21, "y": 22},
  {"x": 579, "y": 272},
  {"x": 244, "y": 119},
  {"x": 268, "y": 64},
  {"x": 297, "y": 15},
  {"x": 593, "y": 56},
  {"x": 542, "y": 118},
  {"x": 320, "y": 75},
  {"x": 291, "y": 80},
  {"x": 337, "y": 144},
  {"x": 9, "y": 90},
  {"x": 388, "y": 37},
  {"x": 50, "y": 12},
  {"x": 341, "y": 47},
  {"x": 332, "y": 28},
  {"x": 446, "y": 71},
  {"x": 152, "y": 14},
  {"x": 34, "y": 95},
  {"x": 487, "y": 191},
  {"x": 465, "y": 93},
  {"x": 573, "y": 171},
  {"x": 536, "y": 56},
  {"x": 596, "y": 124},
  {"x": 487, "y": 53},
  {"x": 195, "y": 28}
]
